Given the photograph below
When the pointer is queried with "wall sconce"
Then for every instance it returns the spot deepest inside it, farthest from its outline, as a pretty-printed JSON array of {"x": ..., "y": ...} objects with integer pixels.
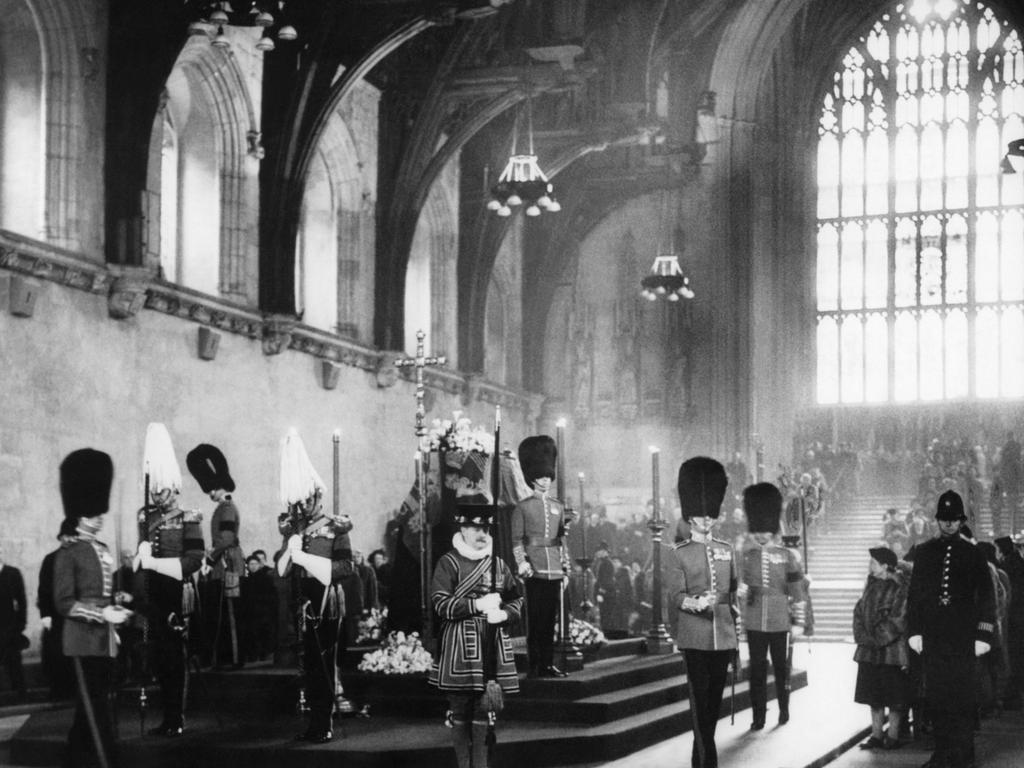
[
  {"x": 329, "y": 374},
  {"x": 209, "y": 341}
]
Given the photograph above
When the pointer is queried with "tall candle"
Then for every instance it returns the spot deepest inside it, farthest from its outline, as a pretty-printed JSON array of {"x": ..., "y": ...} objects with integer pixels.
[
  {"x": 560, "y": 445},
  {"x": 336, "y": 438},
  {"x": 655, "y": 483}
]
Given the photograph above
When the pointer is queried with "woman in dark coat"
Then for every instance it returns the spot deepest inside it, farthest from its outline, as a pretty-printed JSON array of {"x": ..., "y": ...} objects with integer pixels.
[{"x": 879, "y": 628}]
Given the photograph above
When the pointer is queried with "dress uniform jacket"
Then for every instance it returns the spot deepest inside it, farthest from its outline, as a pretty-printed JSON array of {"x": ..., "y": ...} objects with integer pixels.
[
  {"x": 537, "y": 523},
  {"x": 951, "y": 604},
  {"x": 773, "y": 577},
  {"x": 226, "y": 553},
  {"x": 82, "y": 587},
  {"x": 460, "y": 666},
  {"x": 705, "y": 567}
]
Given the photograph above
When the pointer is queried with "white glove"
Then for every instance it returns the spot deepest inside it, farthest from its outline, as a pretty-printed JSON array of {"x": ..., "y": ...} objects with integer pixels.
[
  {"x": 525, "y": 569},
  {"x": 144, "y": 557},
  {"x": 916, "y": 643},
  {"x": 47, "y": 622},
  {"x": 489, "y": 602},
  {"x": 703, "y": 603},
  {"x": 205, "y": 569},
  {"x": 742, "y": 590},
  {"x": 981, "y": 647},
  {"x": 115, "y": 614},
  {"x": 295, "y": 543},
  {"x": 497, "y": 616}
]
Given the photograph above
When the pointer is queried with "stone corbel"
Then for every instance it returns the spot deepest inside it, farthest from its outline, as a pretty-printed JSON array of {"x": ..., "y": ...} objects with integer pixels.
[
  {"x": 387, "y": 372},
  {"x": 127, "y": 295},
  {"x": 277, "y": 333}
]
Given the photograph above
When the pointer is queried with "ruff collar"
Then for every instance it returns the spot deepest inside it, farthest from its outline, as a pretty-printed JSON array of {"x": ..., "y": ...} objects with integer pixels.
[{"x": 466, "y": 551}]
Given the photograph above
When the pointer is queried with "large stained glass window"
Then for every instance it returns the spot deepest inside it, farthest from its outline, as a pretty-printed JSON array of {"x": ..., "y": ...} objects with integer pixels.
[{"x": 920, "y": 258}]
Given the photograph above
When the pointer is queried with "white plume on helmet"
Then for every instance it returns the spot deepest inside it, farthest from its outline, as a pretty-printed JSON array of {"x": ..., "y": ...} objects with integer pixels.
[
  {"x": 159, "y": 461},
  {"x": 299, "y": 480}
]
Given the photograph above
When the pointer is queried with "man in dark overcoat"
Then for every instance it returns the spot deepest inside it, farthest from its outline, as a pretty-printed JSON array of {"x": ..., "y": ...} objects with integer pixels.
[{"x": 951, "y": 616}]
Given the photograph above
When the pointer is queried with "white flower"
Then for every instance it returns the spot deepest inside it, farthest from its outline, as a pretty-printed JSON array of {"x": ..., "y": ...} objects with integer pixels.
[{"x": 400, "y": 655}]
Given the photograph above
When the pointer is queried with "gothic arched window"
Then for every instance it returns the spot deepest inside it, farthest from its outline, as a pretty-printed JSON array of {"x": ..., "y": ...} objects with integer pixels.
[{"x": 920, "y": 240}]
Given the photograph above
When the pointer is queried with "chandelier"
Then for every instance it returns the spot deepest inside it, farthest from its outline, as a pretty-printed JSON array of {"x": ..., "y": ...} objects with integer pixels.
[
  {"x": 666, "y": 279},
  {"x": 1013, "y": 149},
  {"x": 208, "y": 16},
  {"x": 523, "y": 182}
]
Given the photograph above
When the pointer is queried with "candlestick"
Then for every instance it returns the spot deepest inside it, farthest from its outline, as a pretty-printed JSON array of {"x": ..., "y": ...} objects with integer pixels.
[
  {"x": 336, "y": 439},
  {"x": 560, "y": 464},
  {"x": 655, "y": 483}
]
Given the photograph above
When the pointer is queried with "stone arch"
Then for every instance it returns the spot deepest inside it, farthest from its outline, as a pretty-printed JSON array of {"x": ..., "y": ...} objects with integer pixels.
[
  {"x": 431, "y": 281},
  {"x": 208, "y": 98},
  {"x": 338, "y": 208}
]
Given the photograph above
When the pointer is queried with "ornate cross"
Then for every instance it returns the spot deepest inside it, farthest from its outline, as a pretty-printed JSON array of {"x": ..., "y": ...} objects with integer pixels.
[{"x": 420, "y": 362}]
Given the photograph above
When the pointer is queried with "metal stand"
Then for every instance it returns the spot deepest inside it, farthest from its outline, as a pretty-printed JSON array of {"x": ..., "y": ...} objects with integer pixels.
[{"x": 658, "y": 640}]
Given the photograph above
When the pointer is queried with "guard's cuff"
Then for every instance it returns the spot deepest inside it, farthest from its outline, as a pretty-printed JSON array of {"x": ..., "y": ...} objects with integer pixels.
[
  {"x": 86, "y": 612},
  {"x": 985, "y": 632}
]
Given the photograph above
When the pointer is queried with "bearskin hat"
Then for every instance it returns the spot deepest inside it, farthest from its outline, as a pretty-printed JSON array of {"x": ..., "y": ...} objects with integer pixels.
[
  {"x": 85, "y": 479},
  {"x": 538, "y": 456},
  {"x": 884, "y": 556},
  {"x": 210, "y": 469},
  {"x": 701, "y": 487},
  {"x": 950, "y": 507},
  {"x": 762, "y": 504}
]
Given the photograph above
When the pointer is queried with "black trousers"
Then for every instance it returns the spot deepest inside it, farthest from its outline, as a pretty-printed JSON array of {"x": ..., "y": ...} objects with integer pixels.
[
  {"x": 319, "y": 651},
  {"x": 954, "y": 737},
  {"x": 542, "y": 597},
  {"x": 706, "y": 673},
  {"x": 760, "y": 643},
  {"x": 94, "y": 677},
  {"x": 10, "y": 660},
  {"x": 168, "y": 645}
]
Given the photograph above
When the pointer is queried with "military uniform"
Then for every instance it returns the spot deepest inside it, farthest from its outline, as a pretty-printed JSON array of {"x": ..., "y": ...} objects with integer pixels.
[
  {"x": 537, "y": 526},
  {"x": 950, "y": 606},
  {"x": 772, "y": 583},
  {"x": 170, "y": 603},
  {"x": 320, "y": 609},
  {"x": 83, "y": 571}
]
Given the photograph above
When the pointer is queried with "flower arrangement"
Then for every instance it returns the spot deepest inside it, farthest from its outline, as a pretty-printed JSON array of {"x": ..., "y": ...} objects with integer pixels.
[
  {"x": 371, "y": 626},
  {"x": 459, "y": 435},
  {"x": 401, "y": 654},
  {"x": 585, "y": 635}
]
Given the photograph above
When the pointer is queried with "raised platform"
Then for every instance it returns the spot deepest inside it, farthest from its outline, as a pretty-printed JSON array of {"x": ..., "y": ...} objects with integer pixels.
[{"x": 615, "y": 705}]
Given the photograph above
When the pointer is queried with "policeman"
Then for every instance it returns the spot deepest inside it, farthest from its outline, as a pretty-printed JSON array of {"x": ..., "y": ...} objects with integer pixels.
[
  {"x": 704, "y": 594},
  {"x": 951, "y": 617},
  {"x": 537, "y": 524},
  {"x": 771, "y": 582}
]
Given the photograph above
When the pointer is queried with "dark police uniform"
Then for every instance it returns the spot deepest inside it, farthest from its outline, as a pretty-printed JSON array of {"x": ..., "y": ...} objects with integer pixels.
[{"x": 951, "y": 604}]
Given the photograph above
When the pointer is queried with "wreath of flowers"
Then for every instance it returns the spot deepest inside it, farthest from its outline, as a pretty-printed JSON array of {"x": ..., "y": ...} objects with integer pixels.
[
  {"x": 459, "y": 435},
  {"x": 401, "y": 654},
  {"x": 371, "y": 626},
  {"x": 585, "y": 635}
]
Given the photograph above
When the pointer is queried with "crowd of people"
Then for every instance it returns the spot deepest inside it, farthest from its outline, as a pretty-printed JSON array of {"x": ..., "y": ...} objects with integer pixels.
[{"x": 940, "y": 633}]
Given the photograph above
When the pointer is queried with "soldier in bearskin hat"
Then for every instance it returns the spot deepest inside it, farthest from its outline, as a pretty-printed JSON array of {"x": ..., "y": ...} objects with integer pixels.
[
  {"x": 703, "y": 573},
  {"x": 220, "y": 605},
  {"x": 537, "y": 523},
  {"x": 82, "y": 593},
  {"x": 951, "y": 615},
  {"x": 771, "y": 583},
  {"x": 475, "y": 597},
  {"x": 170, "y": 551},
  {"x": 317, "y": 555}
]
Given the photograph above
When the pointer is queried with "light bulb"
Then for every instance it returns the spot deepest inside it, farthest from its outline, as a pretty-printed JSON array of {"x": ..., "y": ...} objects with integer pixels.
[
  {"x": 514, "y": 199},
  {"x": 287, "y": 32},
  {"x": 219, "y": 17},
  {"x": 650, "y": 296},
  {"x": 555, "y": 206},
  {"x": 198, "y": 27},
  {"x": 532, "y": 210},
  {"x": 660, "y": 290},
  {"x": 264, "y": 19},
  {"x": 221, "y": 40},
  {"x": 265, "y": 43},
  {"x": 544, "y": 201},
  {"x": 504, "y": 211},
  {"x": 673, "y": 297}
]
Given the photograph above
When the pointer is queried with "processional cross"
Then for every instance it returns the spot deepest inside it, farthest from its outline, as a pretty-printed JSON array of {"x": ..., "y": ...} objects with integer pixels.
[{"x": 419, "y": 362}]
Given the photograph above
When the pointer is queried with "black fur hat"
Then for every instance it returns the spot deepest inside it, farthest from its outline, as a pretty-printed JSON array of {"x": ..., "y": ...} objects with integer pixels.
[
  {"x": 538, "y": 457},
  {"x": 210, "y": 469},
  {"x": 85, "y": 479},
  {"x": 762, "y": 504},
  {"x": 701, "y": 487}
]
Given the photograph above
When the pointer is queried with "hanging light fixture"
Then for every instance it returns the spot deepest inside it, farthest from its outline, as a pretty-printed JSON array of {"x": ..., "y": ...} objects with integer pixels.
[
  {"x": 1013, "y": 149},
  {"x": 522, "y": 182},
  {"x": 211, "y": 17},
  {"x": 666, "y": 278}
]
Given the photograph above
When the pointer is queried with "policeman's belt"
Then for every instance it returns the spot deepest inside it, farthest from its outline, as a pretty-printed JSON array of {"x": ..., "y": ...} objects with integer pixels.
[{"x": 533, "y": 541}]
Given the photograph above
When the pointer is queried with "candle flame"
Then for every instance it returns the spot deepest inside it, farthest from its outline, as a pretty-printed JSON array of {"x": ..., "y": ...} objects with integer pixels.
[
  {"x": 337, "y": 435},
  {"x": 654, "y": 449},
  {"x": 561, "y": 422}
]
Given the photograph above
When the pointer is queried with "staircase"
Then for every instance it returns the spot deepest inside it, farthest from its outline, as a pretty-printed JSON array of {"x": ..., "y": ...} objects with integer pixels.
[{"x": 838, "y": 557}]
